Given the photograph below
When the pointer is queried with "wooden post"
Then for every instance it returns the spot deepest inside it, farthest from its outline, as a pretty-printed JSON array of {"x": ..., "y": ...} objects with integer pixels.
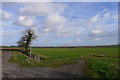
[{"x": 30, "y": 51}]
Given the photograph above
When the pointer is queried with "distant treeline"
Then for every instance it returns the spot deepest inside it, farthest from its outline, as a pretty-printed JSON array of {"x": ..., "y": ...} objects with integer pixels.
[{"x": 108, "y": 46}]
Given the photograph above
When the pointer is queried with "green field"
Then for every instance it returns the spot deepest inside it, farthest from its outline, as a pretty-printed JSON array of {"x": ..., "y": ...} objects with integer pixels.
[
  {"x": 74, "y": 53},
  {"x": 100, "y": 67}
]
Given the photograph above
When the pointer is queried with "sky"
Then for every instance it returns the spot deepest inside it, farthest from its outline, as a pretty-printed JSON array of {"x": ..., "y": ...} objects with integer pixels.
[{"x": 61, "y": 23}]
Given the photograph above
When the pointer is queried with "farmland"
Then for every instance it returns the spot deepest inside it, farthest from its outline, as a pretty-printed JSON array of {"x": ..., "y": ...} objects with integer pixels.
[{"x": 100, "y": 67}]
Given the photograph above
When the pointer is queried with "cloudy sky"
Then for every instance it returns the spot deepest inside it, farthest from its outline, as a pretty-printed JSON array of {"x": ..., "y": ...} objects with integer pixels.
[{"x": 61, "y": 23}]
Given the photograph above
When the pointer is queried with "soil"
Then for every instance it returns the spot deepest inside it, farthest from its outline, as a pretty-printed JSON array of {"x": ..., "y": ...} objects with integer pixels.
[{"x": 10, "y": 70}]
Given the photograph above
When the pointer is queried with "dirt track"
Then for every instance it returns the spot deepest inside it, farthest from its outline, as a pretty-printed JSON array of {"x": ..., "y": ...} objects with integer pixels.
[{"x": 14, "y": 71}]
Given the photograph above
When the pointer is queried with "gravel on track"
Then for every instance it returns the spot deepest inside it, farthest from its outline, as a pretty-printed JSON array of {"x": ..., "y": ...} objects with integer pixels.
[{"x": 10, "y": 70}]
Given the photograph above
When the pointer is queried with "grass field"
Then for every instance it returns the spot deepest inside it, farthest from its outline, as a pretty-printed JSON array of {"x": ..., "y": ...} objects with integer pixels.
[
  {"x": 74, "y": 53},
  {"x": 100, "y": 67}
]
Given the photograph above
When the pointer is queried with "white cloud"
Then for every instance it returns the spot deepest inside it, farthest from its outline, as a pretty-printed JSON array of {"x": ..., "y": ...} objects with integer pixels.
[
  {"x": 54, "y": 20},
  {"x": 115, "y": 17},
  {"x": 78, "y": 39},
  {"x": 8, "y": 33},
  {"x": 42, "y": 9},
  {"x": 96, "y": 39},
  {"x": 25, "y": 21},
  {"x": 68, "y": 31},
  {"x": 5, "y": 15},
  {"x": 105, "y": 10},
  {"x": 106, "y": 15},
  {"x": 97, "y": 31},
  {"x": 73, "y": 41},
  {"x": 51, "y": 12},
  {"x": 99, "y": 28},
  {"x": 94, "y": 18},
  {"x": 46, "y": 30}
]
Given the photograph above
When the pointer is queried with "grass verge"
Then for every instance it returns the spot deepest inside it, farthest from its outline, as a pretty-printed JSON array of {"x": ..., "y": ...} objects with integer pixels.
[
  {"x": 102, "y": 68},
  {"x": 23, "y": 61}
]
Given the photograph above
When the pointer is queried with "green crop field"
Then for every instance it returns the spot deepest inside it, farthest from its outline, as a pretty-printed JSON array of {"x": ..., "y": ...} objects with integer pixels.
[{"x": 100, "y": 67}]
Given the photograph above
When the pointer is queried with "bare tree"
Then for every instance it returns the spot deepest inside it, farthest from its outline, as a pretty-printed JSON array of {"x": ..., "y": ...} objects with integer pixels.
[{"x": 26, "y": 39}]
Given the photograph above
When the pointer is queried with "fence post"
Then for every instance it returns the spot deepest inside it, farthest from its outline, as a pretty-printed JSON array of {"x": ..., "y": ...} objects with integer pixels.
[{"x": 30, "y": 51}]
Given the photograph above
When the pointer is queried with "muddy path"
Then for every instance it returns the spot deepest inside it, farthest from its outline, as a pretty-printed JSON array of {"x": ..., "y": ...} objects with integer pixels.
[{"x": 10, "y": 70}]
